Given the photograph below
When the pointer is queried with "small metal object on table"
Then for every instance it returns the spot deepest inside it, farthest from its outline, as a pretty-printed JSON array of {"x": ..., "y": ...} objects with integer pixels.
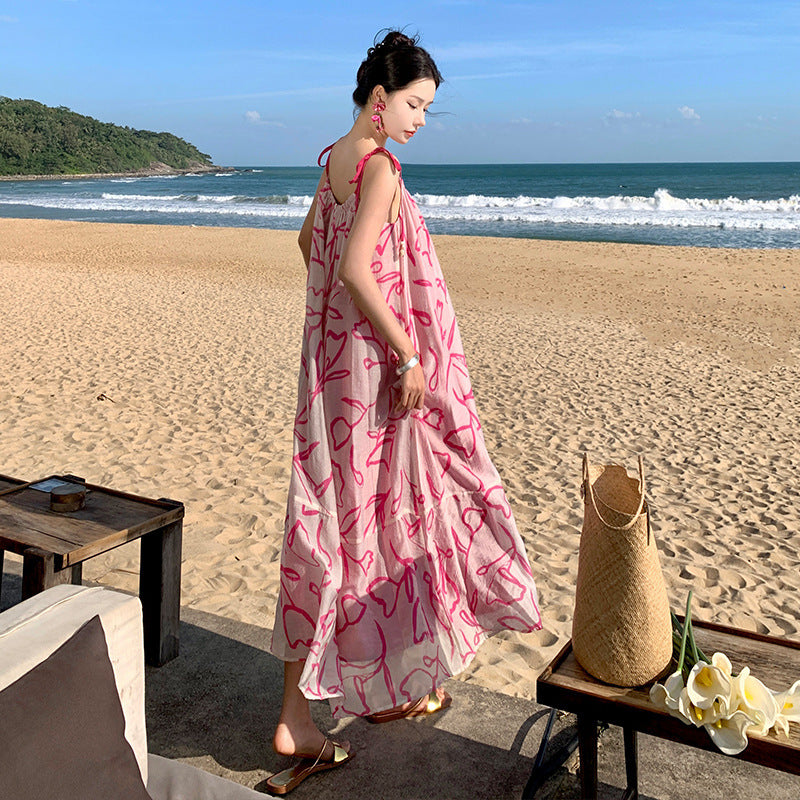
[
  {"x": 565, "y": 685},
  {"x": 54, "y": 545}
]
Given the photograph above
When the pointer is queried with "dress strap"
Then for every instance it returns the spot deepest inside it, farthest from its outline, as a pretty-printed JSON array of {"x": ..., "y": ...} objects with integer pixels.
[
  {"x": 360, "y": 169},
  {"x": 319, "y": 158}
]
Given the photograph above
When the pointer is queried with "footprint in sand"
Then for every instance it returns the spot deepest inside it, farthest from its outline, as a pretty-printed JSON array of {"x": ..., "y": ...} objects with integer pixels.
[
  {"x": 732, "y": 579},
  {"x": 736, "y": 563},
  {"x": 699, "y": 548}
]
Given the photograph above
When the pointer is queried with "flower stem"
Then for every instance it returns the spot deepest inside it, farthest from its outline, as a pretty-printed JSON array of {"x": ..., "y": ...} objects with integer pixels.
[
  {"x": 692, "y": 645},
  {"x": 686, "y": 624}
]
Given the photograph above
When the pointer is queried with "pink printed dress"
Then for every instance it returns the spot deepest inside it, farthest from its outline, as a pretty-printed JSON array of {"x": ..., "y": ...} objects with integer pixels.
[{"x": 401, "y": 554}]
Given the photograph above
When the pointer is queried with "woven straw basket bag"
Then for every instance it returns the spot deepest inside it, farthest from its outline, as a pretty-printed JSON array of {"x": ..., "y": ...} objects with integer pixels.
[{"x": 621, "y": 631}]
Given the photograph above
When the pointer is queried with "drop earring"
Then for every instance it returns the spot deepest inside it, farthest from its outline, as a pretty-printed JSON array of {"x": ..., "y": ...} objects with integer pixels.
[{"x": 376, "y": 115}]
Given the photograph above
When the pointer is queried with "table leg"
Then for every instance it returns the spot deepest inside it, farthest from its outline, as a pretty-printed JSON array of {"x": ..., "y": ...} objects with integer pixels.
[
  {"x": 631, "y": 764},
  {"x": 587, "y": 744},
  {"x": 39, "y": 572},
  {"x": 160, "y": 592}
]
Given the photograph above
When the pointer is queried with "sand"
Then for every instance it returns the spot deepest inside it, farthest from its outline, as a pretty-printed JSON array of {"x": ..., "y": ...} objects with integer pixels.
[{"x": 163, "y": 361}]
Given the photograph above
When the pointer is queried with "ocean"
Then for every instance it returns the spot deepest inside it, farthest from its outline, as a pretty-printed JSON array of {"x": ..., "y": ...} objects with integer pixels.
[{"x": 755, "y": 205}]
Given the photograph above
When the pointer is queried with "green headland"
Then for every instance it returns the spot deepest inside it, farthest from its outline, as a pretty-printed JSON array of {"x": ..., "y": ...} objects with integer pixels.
[{"x": 37, "y": 141}]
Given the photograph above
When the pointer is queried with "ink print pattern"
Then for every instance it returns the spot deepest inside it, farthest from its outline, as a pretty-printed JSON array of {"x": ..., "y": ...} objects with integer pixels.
[{"x": 401, "y": 554}]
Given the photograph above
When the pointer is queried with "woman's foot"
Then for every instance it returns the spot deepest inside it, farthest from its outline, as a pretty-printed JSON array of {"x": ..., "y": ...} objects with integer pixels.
[
  {"x": 303, "y": 740},
  {"x": 284, "y": 781},
  {"x": 426, "y": 705},
  {"x": 297, "y": 735}
]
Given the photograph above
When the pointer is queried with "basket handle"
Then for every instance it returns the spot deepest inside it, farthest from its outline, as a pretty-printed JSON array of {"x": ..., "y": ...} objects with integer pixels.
[{"x": 587, "y": 489}]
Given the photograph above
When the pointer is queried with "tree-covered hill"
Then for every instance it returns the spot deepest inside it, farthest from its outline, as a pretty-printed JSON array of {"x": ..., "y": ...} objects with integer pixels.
[{"x": 39, "y": 140}]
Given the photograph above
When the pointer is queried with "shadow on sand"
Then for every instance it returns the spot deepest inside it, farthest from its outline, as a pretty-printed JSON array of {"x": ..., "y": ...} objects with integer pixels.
[
  {"x": 218, "y": 702},
  {"x": 215, "y": 706}
]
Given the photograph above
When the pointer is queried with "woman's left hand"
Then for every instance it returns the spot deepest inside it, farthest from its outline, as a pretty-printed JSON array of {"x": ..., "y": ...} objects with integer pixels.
[{"x": 412, "y": 389}]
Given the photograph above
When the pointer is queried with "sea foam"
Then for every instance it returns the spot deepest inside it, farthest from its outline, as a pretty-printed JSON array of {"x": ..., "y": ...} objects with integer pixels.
[
  {"x": 713, "y": 205},
  {"x": 661, "y": 208}
]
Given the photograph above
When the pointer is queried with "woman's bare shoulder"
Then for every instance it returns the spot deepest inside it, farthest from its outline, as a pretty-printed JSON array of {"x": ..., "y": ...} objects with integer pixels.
[{"x": 343, "y": 167}]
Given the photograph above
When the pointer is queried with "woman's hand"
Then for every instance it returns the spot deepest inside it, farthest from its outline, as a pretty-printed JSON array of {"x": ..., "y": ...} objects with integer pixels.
[{"x": 412, "y": 389}]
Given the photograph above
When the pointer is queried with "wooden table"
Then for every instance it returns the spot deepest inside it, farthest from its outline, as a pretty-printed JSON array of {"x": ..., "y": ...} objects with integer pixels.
[
  {"x": 565, "y": 685},
  {"x": 54, "y": 545}
]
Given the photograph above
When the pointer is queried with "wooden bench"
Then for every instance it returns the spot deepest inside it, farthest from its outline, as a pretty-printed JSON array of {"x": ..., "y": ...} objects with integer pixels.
[
  {"x": 54, "y": 545},
  {"x": 565, "y": 685}
]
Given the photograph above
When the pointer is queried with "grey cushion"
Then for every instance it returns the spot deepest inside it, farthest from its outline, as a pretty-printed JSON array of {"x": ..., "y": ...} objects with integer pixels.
[
  {"x": 62, "y": 728},
  {"x": 173, "y": 780}
]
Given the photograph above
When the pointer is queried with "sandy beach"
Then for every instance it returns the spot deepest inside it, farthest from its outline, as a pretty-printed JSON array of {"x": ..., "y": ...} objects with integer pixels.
[{"x": 191, "y": 337}]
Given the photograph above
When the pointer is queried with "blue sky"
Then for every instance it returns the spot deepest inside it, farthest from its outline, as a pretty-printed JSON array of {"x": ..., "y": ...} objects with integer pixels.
[{"x": 571, "y": 81}]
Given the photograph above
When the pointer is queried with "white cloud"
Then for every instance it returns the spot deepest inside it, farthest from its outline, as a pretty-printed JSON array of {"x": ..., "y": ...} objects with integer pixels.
[
  {"x": 255, "y": 118},
  {"x": 688, "y": 113},
  {"x": 615, "y": 115}
]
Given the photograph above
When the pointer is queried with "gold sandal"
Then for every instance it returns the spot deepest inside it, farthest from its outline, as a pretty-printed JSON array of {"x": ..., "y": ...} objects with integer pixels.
[
  {"x": 283, "y": 782},
  {"x": 425, "y": 706}
]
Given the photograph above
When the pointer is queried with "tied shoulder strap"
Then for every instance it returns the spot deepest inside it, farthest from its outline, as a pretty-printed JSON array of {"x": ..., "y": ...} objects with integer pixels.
[
  {"x": 319, "y": 158},
  {"x": 357, "y": 178}
]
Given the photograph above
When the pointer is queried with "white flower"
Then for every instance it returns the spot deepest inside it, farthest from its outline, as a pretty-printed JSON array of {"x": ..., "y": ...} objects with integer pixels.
[
  {"x": 729, "y": 734},
  {"x": 755, "y": 700},
  {"x": 709, "y": 689},
  {"x": 671, "y": 696},
  {"x": 729, "y": 707},
  {"x": 721, "y": 661},
  {"x": 788, "y": 707},
  {"x": 666, "y": 695}
]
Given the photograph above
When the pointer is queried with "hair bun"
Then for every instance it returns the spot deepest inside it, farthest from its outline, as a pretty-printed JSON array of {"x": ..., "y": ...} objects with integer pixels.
[
  {"x": 394, "y": 40},
  {"x": 393, "y": 62}
]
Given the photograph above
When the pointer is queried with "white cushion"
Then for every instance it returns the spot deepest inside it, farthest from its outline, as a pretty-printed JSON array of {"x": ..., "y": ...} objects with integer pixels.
[
  {"x": 173, "y": 780},
  {"x": 32, "y": 630}
]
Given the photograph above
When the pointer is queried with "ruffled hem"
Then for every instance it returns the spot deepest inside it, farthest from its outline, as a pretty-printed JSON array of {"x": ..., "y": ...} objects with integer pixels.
[{"x": 425, "y": 598}]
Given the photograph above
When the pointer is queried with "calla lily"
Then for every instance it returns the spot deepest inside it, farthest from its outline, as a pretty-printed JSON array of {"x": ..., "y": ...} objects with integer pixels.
[
  {"x": 789, "y": 702},
  {"x": 709, "y": 689},
  {"x": 685, "y": 706},
  {"x": 671, "y": 696},
  {"x": 704, "y": 716},
  {"x": 756, "y": 701},
  {"x": 729, "y": 734},
  {"x": 666, "y": 695},
  {"x": 729, "y": 707},
  {"x": 722, "y": 662},
  {"x": 788, "y": 707}
]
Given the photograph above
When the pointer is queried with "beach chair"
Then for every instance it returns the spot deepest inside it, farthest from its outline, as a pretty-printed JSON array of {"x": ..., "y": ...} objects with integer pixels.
[{"x": 72, "y": 718}]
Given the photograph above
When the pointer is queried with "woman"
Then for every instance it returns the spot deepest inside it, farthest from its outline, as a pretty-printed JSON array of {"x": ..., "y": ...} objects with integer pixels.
[{"x": 401, "y": 553}]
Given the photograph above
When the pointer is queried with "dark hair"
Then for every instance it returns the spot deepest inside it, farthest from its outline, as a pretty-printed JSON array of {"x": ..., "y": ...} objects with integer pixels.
[{"x": 393, "y": 63}]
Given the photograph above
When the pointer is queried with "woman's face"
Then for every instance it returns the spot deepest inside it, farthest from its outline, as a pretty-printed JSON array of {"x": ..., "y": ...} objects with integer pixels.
[{"x": 405, "y": 109}]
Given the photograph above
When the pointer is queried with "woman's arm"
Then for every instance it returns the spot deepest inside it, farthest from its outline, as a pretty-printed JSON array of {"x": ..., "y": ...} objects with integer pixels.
[
  {"x": 378, "y": 186},
  {"x": 304, "y": 237}
]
